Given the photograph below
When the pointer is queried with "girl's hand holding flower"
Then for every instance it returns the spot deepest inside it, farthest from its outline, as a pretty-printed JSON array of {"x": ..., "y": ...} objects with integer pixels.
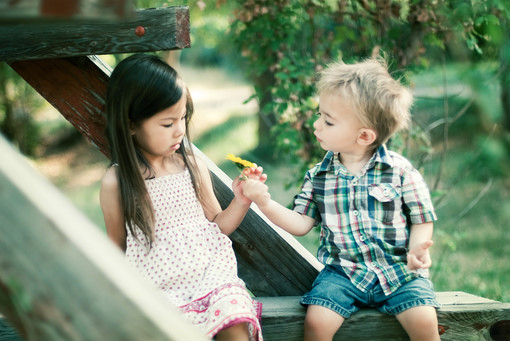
[{"x": 248, "y": 170}]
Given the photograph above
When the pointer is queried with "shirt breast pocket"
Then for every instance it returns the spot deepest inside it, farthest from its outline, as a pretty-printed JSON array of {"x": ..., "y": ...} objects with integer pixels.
[{"x": 384, "y": 203}]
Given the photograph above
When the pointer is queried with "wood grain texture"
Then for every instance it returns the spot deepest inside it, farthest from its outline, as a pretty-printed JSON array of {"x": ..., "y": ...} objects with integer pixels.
[
  {"x": 40, "y": 10},
  {"x": 461, "y": 317},
  {"x": 61, "y": 278},
  {"x": 76, "y": 87},
  {"x": 165, "y": 29},
  {"x": 270, "y": 261}
]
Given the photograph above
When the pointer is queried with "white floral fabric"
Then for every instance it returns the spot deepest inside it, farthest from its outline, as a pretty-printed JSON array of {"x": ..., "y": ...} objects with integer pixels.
[{"x": 191, "y": 261}]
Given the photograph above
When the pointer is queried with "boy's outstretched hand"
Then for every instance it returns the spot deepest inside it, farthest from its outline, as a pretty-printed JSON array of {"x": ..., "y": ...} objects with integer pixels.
[
  {"x": 419, "y": 256},
  {"x": 256, "y": 191},
  {"x": 255, "y": 173}
]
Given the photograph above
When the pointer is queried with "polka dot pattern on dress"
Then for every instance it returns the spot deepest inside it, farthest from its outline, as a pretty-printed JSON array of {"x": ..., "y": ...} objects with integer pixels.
[{"x": 191, "y": 261}]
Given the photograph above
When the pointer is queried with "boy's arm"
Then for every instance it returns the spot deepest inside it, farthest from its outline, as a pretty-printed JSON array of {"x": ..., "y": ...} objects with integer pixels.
[
  {"x": 420, "y": 240},
  {"x": 291, "y": 221},
  {"x": 228, "y": 220}
]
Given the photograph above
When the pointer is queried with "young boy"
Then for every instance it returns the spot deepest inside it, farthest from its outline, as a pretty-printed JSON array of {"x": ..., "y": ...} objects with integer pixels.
[{"x": 373, "y": 207}]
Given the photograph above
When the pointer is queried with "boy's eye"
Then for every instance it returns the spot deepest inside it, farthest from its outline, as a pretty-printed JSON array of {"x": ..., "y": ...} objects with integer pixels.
[
  {"x": 168, "y": 125},
  {"x": 318, "y": 113}
]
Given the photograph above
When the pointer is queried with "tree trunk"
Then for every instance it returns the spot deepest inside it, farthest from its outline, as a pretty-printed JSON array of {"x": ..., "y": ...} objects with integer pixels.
[{"x": 505, "y": 82}]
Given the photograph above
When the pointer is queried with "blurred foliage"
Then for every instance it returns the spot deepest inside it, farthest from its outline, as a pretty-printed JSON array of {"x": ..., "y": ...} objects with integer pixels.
[
  {"x": 285, "y": 42},
  {"x": 17, "y": 101}
]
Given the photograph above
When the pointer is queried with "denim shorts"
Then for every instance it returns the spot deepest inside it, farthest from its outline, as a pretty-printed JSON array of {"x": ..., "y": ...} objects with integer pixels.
[{"x": 332, "y": 289}]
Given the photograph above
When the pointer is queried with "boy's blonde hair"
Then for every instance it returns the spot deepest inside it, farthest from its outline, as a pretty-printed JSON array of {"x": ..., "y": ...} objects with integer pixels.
[{"x": 381, "y": 102}]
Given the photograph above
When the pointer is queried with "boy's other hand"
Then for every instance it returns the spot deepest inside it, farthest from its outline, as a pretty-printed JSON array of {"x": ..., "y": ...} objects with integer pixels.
[{"x": 418, "y": 257}]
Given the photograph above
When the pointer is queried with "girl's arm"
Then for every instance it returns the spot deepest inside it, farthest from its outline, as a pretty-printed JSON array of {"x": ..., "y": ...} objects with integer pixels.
[
  {"x": 228, "y": 220},
  {"x": 289, "y": 220},
  {"x": 109, "y": 197},
  {"x": 420, "y": 240}
]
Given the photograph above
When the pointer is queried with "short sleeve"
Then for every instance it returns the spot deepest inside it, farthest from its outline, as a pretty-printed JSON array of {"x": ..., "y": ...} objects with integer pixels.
[
  {"x": 304, "y": 202},
  {"x": 416, "y": 198}
]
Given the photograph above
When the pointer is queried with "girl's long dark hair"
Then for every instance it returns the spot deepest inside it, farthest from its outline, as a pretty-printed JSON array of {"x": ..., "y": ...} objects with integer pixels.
[{"x": 141, "y": 86}]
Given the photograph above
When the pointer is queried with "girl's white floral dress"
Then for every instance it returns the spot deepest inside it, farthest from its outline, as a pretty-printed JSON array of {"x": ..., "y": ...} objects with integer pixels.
[{"x": 191, "y": 261}]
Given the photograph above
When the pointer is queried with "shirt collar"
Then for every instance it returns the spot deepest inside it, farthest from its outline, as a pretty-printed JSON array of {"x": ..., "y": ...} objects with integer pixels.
[{"x": 331, "y": 162}]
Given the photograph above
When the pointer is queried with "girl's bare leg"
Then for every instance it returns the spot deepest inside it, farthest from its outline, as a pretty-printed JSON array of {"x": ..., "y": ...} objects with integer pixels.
[{"x": 237, "y": 332}]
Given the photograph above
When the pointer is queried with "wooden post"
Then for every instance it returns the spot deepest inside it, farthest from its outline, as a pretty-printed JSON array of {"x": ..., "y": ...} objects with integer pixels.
[
  {"x": 149, "y": 30},
  {"x": 61, "y": 278},
  {"x": 58, "y": 9}
]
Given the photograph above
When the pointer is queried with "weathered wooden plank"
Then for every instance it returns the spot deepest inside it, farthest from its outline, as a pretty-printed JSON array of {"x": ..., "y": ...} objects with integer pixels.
[
  {"x": 76, "y": 9},
  {"x": 61, "y": 278},
  {"x": 7, "y": 332},
  {"x": 155, "y": 29},
  {"x": 461, "y": 317},
  {"x": 76, "y": 87},
  {"x": 270, "y": 260}
]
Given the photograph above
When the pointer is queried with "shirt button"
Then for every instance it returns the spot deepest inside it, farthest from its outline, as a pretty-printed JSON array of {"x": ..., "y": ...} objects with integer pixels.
[
  {"x": 363, "y": 238},
  {"x": 385, "y": 192},
  {"x": 356, "y": 213},
  {"x": 354, "y": 182},
  {"x": 374, "y": 264}
]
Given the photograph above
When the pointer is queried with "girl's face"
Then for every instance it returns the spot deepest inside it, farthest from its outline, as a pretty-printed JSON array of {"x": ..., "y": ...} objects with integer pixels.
[
  {"x": 161, "y": 135},
  {"x": 337, "y": 128}
]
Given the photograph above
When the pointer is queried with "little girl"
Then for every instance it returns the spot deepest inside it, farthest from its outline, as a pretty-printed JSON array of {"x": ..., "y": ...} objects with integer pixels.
[{"x": 159, "y": 205}]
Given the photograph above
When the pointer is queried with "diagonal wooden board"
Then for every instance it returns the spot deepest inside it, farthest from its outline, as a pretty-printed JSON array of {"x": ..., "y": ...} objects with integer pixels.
[
  {"x": 61, "y": 279},
  {"x": 271, "y": 262}
]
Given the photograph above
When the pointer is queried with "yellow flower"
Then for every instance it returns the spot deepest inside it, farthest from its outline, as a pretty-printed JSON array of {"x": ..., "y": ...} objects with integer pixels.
[{"x": 240, "y": 163}]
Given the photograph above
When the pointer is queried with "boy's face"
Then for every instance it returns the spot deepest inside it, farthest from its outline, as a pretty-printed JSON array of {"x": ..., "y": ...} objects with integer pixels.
[{"x": 337, "y": 129}]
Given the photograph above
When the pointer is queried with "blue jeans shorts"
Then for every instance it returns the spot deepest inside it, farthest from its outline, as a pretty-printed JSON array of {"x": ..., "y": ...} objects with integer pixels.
[{"x": 332, "y": 289}]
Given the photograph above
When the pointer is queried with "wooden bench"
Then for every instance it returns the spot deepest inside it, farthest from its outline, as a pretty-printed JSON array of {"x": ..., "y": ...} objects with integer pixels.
[{"x": 461, "y": 317}]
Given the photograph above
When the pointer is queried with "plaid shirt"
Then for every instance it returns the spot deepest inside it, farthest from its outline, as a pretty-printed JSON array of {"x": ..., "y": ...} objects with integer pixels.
[{"x": 365, "y": 218}]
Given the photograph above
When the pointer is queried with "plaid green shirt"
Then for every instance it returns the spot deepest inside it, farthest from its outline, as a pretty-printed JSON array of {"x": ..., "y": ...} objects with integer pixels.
[{"x": 365, "y": 218}]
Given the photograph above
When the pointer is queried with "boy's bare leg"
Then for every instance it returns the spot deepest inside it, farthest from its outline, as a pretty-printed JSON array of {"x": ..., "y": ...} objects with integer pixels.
[
  {"x": 237, "y": 332},
  {"x": 420, "y": 323},
  {"x": 321, "y": 323}
]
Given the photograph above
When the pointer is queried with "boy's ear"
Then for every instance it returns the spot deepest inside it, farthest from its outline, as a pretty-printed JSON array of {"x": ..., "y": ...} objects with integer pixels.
[{"x": 367, "y": 136}]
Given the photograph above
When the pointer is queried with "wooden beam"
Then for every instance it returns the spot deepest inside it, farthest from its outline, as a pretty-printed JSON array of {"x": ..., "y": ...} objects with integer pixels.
[
  {"x": 461, "y": 317},
  {"x": 40, "y": 10},
  {"x": 271, "y": 262},
  {"x": 76, "y": 87},
  {"x": 61, "y": 278},
  {"x": 150, "y": 30}
]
